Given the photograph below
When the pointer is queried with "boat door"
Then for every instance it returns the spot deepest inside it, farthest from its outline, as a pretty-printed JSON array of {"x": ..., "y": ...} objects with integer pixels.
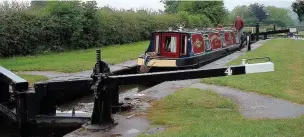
[{"x": 170, "y": 45}]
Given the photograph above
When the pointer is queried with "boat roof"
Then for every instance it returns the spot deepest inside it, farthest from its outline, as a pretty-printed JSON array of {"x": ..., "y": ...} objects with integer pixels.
[{"x": 206, "y": 30}]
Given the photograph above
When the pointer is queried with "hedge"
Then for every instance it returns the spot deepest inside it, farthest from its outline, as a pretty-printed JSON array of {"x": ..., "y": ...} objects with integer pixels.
[{"x": 58, "y": 26}]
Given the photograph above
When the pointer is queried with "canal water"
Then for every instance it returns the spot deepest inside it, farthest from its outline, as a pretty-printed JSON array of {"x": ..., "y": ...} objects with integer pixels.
[{"x": 84, "y": 105}]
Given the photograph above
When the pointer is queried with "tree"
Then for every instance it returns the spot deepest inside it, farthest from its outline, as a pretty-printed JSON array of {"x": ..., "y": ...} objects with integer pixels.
[
  {"x": 279, "y": 14},
  {"x": 244, "y": 12},
  {"x": 298, "y": 8},
  {"x": 170, "y": 6},
  {"x": 258, "y": 11},
  {"x": 214, "y": 10}
]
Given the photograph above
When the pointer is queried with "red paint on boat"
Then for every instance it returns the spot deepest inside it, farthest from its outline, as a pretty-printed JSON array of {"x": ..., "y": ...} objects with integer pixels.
[
  {"x": 228, "y": 38},
  {"x": 170, "y": 46},
  {"x": 216, "y": 42},
  {"x": 198, "y": 43}
]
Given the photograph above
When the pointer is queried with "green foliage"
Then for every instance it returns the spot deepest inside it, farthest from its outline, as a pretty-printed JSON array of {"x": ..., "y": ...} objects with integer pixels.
[
  {"x": 258, "y": 11},
  {"x": 48, "y": 26},
  {"x": 203, "y": 113},
  {"x": 62, "y": 25},
  {"x": 243, "y": 12},
  {"x": 279, "y": 16},
  {"x": 171, "y": 6},
  {"x": 213, "y": 10},
  {"x": 124, "y": 26},
  {"x": 194, "y": 21},
  {"x": 298, "y": 8}
]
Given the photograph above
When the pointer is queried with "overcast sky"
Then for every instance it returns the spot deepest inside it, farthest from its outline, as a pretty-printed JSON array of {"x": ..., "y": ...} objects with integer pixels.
[{"x": 156, "y": 4}]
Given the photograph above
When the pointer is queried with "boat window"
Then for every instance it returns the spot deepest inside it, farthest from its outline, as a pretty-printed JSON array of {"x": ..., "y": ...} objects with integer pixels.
[
  {"x": 170, "y": 42},
  {"x": 184, "y": 45},
  {"x": 157, "y": 43}
]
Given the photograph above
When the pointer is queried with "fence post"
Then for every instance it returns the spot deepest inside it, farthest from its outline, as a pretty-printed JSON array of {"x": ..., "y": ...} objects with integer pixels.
[
  {"x": 257, "y": 31},
  {"x": 274, "y": 27}
]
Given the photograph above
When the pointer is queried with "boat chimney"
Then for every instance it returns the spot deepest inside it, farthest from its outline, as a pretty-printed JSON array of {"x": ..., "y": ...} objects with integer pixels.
[{"x": 180, "y": 28}]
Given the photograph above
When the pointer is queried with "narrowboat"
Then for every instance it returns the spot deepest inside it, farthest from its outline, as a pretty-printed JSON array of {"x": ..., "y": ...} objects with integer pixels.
[{"x": 186, "y": 49}]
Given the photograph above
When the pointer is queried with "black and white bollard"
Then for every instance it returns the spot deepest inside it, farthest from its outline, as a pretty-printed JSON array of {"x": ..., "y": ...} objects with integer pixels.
[{"x": 248, "y": 42}]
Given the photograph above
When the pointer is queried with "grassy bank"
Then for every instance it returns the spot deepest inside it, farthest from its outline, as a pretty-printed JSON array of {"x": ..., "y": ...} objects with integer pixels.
[
  {"x": 74, "y": 61},
  {"x": 32, "y": 78},
  {"x": 192, "y": 112},
  {"x": 287, "y": 80}
]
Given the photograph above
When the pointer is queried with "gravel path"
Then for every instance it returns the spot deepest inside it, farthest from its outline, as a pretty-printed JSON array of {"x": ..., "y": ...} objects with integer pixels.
[{"x": 253, "y": 105}]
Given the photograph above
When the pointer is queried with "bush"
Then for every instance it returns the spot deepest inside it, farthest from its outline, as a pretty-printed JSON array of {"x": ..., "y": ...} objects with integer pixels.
[
  {"x": 195, "y": 21},
  {"x": 56, "y": 26}
]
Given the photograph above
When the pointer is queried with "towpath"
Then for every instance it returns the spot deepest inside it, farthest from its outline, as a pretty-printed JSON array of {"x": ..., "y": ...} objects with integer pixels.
[{"x": 58, "y": 76}]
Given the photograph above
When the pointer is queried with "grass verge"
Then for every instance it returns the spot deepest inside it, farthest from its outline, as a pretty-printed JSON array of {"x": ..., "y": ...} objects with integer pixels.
[
  {"x": 74, "y": 61},
  {"x": 193, "y": 112},
  {"x": 32, "y": 78},
  {"x": 287, "y": 80}
]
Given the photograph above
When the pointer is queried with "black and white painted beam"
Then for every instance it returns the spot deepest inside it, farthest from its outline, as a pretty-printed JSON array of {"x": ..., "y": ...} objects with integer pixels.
[
  {"x": 18, "y": 83},
  {"x": 191, "y": 74}
]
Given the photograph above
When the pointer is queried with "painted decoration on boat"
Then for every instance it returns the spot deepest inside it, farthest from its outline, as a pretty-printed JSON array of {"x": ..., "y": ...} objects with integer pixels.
[
  {"x": 228, "y": 38},
  {"x": 198, "y": 43},
  {"x": 215, "y": 40}
]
